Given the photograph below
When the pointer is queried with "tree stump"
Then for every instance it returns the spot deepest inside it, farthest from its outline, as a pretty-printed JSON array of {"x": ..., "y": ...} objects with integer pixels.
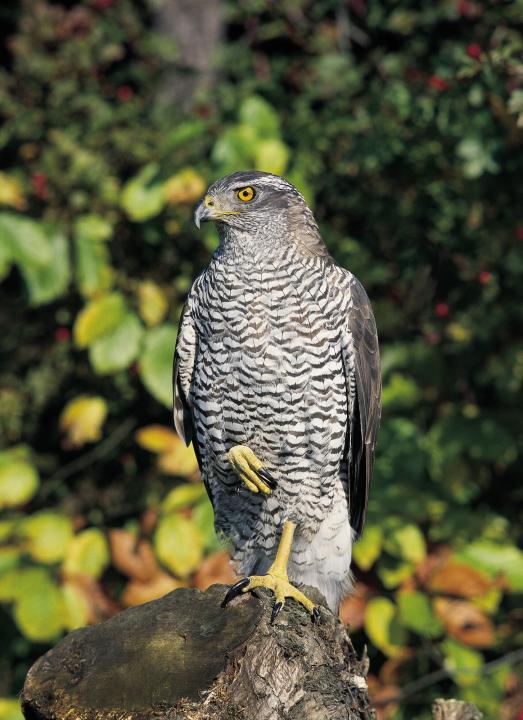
[{"x": 184, "y": 657}]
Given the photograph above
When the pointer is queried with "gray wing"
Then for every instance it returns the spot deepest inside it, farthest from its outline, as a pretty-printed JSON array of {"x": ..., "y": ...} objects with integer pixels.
[
  {"x": 362, "y": 370},
  {"x": 184, "y": 358},
  {"x": 183, "y": 371}
]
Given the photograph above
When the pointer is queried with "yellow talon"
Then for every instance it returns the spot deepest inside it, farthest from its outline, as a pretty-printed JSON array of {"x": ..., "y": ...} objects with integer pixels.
[
  {"x": 247, "y": 466},
  {"x": 277, "y": 579}
]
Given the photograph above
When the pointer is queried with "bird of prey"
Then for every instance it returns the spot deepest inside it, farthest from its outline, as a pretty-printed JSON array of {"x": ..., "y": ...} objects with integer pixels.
[{"x": 277, "y": 384}]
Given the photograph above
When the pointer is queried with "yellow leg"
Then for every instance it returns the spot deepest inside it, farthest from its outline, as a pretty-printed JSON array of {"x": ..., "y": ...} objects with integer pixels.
[
  {"x": 250, "y": 470},
  {"x": 276, "y": 578}
]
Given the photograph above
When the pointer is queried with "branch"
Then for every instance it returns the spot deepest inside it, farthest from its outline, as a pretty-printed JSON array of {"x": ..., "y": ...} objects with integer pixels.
[
  {"x": 514, "y": 657},
  {"x": 97, "y": 453}
]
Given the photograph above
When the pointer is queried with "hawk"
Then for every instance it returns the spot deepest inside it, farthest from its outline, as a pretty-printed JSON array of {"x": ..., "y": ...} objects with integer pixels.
[{"x": 277, "y": 384}]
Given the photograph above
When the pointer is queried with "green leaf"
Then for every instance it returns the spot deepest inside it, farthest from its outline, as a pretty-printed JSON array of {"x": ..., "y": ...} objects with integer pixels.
[
  {"x": 381, "y": 626},
  {"x": 7, "y": 526},
  {"x": 367, "y": 550},
  {"x": 87, "y": 554},
  {"x": 476, "y": 157},
  {"x": 18, "y": 582},
  {"x": 26, "y": 241},
  {"x": 184, "y": 496},
  {"x": 393, "y": 573},
  {"x": 48, "y": 282},
  {"x": 47, "y": 535},
  {"x": 41, "y": 253},
  {"x": 415, "y": 613},
  {"x": 203, "y": 518},
  {"x": 234, "y": 149},
  {"x": 19, "y": 482},
  {"x": 98, "y": 318},
  {"x": 271, "y": 156},
  {"x": 40, "y": 613},
  {"x": 93, "y": 270},
  {"x": 9, "y": 558},
  {"x": 156, "y": 363},
  {"x": 142, "y": 197},
  {"x": 262, "y": 118},
  {"x": 118, "y": 349},
  {"x": 464, "y": 662},
  {"x": 179, "y": 544},
  {"x": 406, "y": 542},
  {"x": 495, "y": 559},
  {"x": 5, "y": 256},
  {"x": 400, "y": 392}
]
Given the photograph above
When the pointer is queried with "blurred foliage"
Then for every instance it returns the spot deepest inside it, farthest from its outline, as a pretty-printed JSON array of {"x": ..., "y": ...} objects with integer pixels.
[{"x": 402, "y": 125}]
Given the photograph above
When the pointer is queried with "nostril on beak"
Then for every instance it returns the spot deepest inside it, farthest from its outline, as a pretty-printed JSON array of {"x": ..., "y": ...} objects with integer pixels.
[{"x": 209, "y": 201}]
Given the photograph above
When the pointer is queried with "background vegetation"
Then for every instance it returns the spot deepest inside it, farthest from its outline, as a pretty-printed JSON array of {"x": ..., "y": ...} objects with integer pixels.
[{"x": 402, "y": 123}]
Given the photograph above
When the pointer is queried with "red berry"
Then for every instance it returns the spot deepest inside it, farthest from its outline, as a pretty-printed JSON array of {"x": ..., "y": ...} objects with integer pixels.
[
  {"x": 124, "y": 93},
  {"x": 39, "y": 185},
  {"x": 441, "y": 310},
  {"x": 465, "y": 7},
  {"x": 62, "y": 334},
  {"x": 484, "y": 277},
  {"x": 474, "y": 51},
  {"x": 102, "y": 4},
  {"x": 519, "y": 232},
  {"x": 438, "y": 83}
]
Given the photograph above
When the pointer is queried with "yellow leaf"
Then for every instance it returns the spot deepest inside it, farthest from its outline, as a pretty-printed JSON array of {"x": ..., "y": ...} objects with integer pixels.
[
  {"x": 87, "y": 554},
  {"x": 10, "y": 709},
  {"x": 178, "y": 459},
  {"x": 82, "y": 419},
  {"x": 184, "y": 496},
  {"x": 18, "y": 483},
  {"x": 46, "y": 535},
  {"x": 175, "y": 458},
  {"x": 187, "y": 186},
  {"x": 76, "y": 606},
  {"x": 98, "y": 318},
  {"x": 11, "y": 192},
  {"x": 156, "y": 438},
  {"x": 152, "y": 302},
  {"x": 179, "y": 544},
  {"x": 458, "y": 332},
  {"x": 381, "y": 626}
]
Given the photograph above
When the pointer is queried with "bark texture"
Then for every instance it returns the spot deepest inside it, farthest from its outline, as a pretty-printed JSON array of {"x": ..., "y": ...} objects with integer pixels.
[
  {"x": 196, "y": 27},
  {"x": 455, "y": 710},
  {"x": 183, "y": 656}
]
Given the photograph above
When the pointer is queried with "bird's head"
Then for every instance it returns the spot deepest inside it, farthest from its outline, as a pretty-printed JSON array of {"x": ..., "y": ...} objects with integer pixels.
[{"x": 257, "y": 207}]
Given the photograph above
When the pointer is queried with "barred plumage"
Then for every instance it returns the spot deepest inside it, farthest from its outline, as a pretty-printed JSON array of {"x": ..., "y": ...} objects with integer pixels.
[{"x": 277, "y": 350}]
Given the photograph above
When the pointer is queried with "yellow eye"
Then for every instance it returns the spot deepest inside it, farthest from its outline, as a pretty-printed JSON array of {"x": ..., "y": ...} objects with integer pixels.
[{"x": 246, "y": 194}]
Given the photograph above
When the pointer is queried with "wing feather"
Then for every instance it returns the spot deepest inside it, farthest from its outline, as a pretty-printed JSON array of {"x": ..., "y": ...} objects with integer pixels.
[
  {"x": 361, "y": 360},
  {"x": 184, "y": 359}
]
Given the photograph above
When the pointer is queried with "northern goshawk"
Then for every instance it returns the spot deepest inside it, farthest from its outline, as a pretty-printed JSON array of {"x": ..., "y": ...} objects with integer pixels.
[{"x": 277, "y": 384}]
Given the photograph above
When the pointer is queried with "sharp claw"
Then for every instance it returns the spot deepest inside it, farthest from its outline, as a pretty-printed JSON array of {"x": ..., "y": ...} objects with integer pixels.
[
  {"x": 235, "y": 591},
  {"x": 275, "y": 610},
  {"x": 315, "y": 615},
  {"x": 267, "y": 477}
]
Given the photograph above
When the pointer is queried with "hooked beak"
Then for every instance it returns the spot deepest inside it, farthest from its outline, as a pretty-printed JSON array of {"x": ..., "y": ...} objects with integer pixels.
[
  {"x": 208, "y": 210},
  {"x": 204, "y": 211}
]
